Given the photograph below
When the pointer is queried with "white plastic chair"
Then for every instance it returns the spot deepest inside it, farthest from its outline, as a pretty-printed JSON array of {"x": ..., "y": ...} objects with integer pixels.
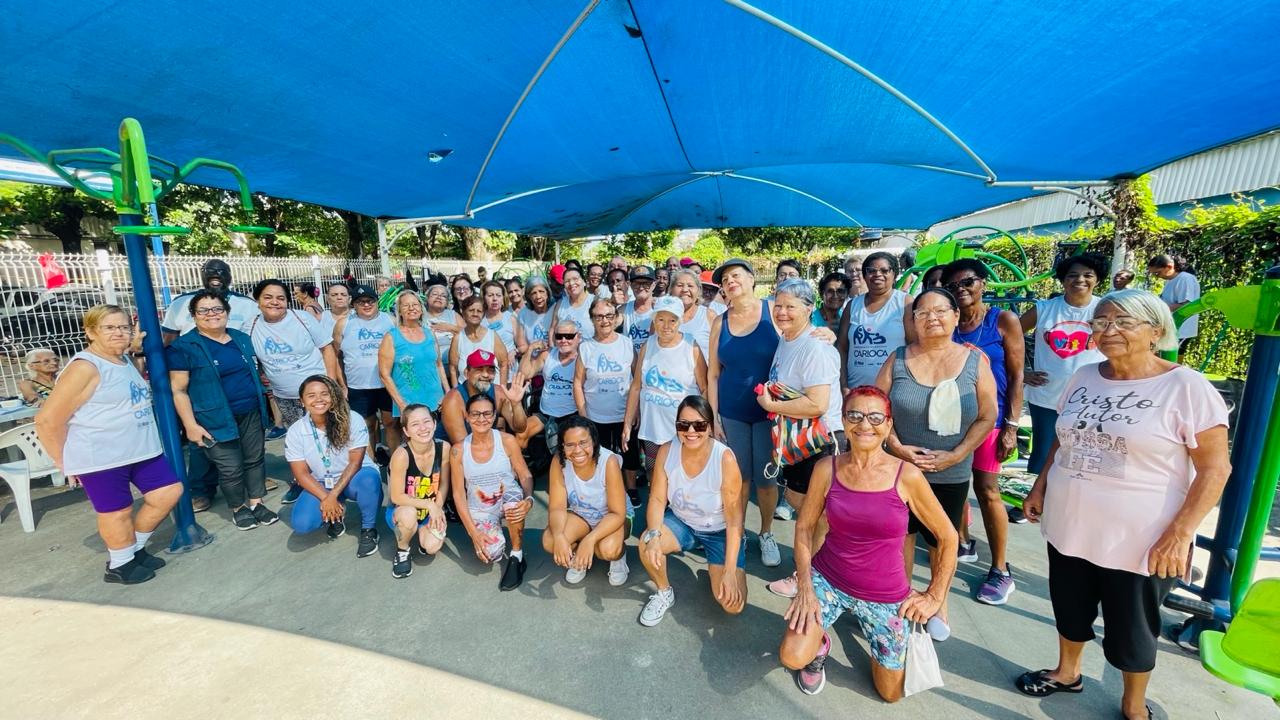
[{"x": 34, "y": 463}]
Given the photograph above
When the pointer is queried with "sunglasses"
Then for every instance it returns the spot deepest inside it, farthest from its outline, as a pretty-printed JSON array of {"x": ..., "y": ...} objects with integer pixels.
[
  {"x": 965, "y": 283},
  {"x": 855, "y": 417},
  {"x": 694, "y": 425},
  {"x": 565, "y": 336}
]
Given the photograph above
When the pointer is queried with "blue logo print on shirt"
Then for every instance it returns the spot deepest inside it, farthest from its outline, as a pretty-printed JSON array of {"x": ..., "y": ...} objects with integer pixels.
[
  {"x": 866, "y": 336},
  {"x": 657, "y": 379},
  {"x": 367, "y": 334},
  {"x": 138, "y": 393},
  {"x": 604, "y": 365},
  {"x": 271, "y": 345}
]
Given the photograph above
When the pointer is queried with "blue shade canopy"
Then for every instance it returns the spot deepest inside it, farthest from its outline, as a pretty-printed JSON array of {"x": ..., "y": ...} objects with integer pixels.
[{"x": 652, "y": 113}]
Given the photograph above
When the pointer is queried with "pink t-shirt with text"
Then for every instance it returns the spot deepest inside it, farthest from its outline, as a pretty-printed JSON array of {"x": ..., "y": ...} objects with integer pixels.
[{"x": 1123, "y": 465}]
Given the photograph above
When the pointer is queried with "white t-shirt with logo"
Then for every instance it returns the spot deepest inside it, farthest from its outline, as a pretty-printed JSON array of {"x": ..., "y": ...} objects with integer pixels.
[
  {"x": 607, "y": 370},
  {"x": 178, "y": 318},
  {"x": 305, "y": 441},
  {"x": 872, "y": 336},
  {"x": 1063, "y": 344},
  {"x": 805, "y": 362},
  {"x": 638, "y": 326},
  {"x": 1183, "y": 288},
  {"x": 361, "y": 340},
  {"x": 289, "y": 350}
]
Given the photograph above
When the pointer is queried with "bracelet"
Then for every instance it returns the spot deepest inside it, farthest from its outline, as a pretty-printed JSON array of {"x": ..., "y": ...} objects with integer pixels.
[
  {"x": 649, "y": 536},
  {"x": 1010, "y": 423}
]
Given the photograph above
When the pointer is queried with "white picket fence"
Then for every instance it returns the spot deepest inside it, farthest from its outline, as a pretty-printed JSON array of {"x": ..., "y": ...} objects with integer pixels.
[{"x": 93, "y": 279}]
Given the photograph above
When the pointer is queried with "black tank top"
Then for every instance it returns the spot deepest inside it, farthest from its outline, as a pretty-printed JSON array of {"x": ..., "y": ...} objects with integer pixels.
[{"x": 417, "y": 486}]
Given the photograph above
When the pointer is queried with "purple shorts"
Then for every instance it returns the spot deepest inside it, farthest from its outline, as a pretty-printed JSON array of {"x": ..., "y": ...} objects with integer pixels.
[{"x": 108, "y": 490}]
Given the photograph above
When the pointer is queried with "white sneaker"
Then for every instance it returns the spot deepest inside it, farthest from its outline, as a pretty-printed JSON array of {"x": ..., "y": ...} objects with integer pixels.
[
  {"x": 784, "y": 511},
  {"x": 618, "y": 572},
  {"x": 573, "y": 576},
  {"x": 769, "y": 554},
  {"x": 657, "y": 607}
]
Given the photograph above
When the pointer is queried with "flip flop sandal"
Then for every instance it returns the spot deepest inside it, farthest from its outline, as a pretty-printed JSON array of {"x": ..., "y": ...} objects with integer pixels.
[
  {"x": 1151, "y": 714},
  {"x": 1037, "y": 683}
]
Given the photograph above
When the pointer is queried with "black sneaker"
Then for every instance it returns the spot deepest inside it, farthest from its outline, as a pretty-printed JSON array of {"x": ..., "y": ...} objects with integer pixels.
[
  {"x": 1016, "y": 516},
  {"x": 336, "y": 530},
  {"x": 244, "y": 519},
  {"x": 147, "y": 560},
  {"x": 263, "y": 514},
  {"x": 382, "y": 454},
  {"x": 130, "y": 573},
  {"x": 512, "y": 573},
  {"x": 292, "y": 494},
  {"x": 368, "y": 542},
  {"x": 634, "y": 495},
  {"x": 401, "y": 566}
]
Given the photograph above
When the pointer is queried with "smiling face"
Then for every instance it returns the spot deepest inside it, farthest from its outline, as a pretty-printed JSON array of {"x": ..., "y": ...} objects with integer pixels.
[
  {"x": 1080, "y": 280},
  {"x": 688, "y": 289},
  {"x": 381, "y": 285},
  {"x": 934, "y": 317},
  {"x": 833, "y": 295},
  {"x": 410, "y": 307},
  {"x": 211, "y": 316},
  {"x": 878, "y": 276},
  {"x": 1124, "y": 336},
  {"x": 666, "y": 326},
  {"x": 339, "y": 298},
  {"x": 693, "y": 430},
  {"x": 577, "y": 447},
  {"x": 642, "y": 290},
  {"x": 574, "y": 284},
  {"x": 566, "y": 339},
  {"x": 515, "y": 296},
  {"x": 790, "y": 314},
  {"x": 366, "y": 308},
  {"x": 595, "y": 274},
  {"x": 604, "y": 318},
  {"x": 480, "y": 414},
  {"x": 420, "y": 426},
  {"x": 481, "y": 378},
  {"x": 967, "y": 287},
  {"x": 272, "y": 302},
  {"x": 864, "y": 434},
  {"x": 316, "y": 398}
]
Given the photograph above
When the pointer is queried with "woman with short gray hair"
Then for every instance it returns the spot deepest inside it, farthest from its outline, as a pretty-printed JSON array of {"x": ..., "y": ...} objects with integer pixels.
[
  {"x": 696, "y": 321},
  {"x": 810, "y": 367},
  {"x": 1140, "y": 459}
]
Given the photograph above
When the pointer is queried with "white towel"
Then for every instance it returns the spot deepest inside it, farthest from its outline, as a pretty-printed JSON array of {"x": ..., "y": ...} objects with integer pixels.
[{"x": 944, "y": 408}]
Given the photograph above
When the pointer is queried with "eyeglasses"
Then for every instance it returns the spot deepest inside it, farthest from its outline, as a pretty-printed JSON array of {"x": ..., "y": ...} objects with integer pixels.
[
  {"x": 608, "y": 316},
  {"x": 111, "y": 329},
  {"x": 45, "y": 361},
  {"x": 876, "y": 271},
  {"x": 965, "y": 283},
  {"x": 1125, "y": 324},
  {"x": 580, "y": 445},
  {"x": 565, "y": 336},
  {"x": 922, "y": 314},
  {"x": 855, "y": 417},
  {"x": 1080, "y": 276},
  {"x": 210, "y": 311},
  {"x": 481, "y": 415},
  {"x": 694, "y": 425}
]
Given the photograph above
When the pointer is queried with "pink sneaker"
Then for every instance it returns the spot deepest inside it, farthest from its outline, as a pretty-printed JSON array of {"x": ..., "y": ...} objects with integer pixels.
[
  {"x": 787, "y": 587},
  {"x": 813, "y": 677}
]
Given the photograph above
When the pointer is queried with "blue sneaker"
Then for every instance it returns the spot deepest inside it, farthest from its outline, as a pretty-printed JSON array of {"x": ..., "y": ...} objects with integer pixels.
[
  {"x": 997, "y": 588},
  {"x": 291, "y": 496},
  {"x": 277, "y": 432}
]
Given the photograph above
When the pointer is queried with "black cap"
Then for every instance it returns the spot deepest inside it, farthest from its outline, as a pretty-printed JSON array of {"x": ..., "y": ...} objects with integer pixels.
[
  {"x": 642, "y": 272},
  {"x": 216, "y": 268},
  {"x": 363, "y": 291},
  {"x": 731, "y": 262}
]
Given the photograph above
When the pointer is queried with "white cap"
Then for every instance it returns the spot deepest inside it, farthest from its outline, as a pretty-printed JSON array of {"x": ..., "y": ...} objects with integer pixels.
[{"x": 666, "y": 303}]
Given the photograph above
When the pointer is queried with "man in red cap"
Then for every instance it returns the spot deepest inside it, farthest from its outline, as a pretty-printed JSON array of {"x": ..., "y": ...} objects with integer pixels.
[
  {"x": 556, "y": 277},
  {"x": 479, "y": 379}
]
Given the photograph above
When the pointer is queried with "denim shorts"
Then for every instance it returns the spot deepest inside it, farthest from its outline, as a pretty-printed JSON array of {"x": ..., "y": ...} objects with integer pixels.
[
  {"x": 713, "y": 543},
  {"x": 886, "y": 633}
]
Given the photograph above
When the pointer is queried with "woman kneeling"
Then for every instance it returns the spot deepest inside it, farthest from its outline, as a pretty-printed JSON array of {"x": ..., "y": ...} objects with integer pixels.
[
  {"x": 589, "y": 513},
  {"x": 697, "y": 476},
  {"x": 416, "y": 496},
  {"x": 867, "y": 495}
]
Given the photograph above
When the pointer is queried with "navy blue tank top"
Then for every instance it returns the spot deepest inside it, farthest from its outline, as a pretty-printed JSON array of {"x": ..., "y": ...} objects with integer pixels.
[
  {"x": 986, "y": 337},
  {"x": 744, "y": 363}
]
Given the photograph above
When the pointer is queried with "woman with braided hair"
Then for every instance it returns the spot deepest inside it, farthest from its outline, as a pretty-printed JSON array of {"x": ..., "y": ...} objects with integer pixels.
[{"x": 325, "y": 450}]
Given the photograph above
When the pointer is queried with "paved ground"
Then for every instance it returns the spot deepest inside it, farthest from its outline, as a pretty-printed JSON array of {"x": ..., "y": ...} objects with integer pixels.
[{"x": 451, "y": 642}]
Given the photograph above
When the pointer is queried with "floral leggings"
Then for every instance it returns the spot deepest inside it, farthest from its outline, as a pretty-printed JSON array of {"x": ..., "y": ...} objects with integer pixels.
[{"x": 884, "y": 630}]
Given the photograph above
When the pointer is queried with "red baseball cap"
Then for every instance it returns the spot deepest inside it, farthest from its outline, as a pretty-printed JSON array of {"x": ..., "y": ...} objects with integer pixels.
[
  {"x": 557, "y": 273},
  {"x": 479, "y": 359},
  {"x": 686, "y": 261}
]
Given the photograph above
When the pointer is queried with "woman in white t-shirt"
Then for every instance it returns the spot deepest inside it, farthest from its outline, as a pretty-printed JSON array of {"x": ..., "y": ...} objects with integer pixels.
[
  {"x": 442, "y": 320},
  {"x": 1140, "y": 459},
  {"x": 290, "y": 345},
  {"x": 874, "y": 323},
  {"x": 498, "y": 320},
  {"x": 1063, "y": 344},
  {"x": 575, "y": 306},
  {"x": 474, "y": 336},
  {"x": 1181, "y": 286},
  {"x": 533, "y": 326},
  {"x": 696, "y": 318},
  {"x": 325, "y": 450},
  {"x": 588, "y": 512}
]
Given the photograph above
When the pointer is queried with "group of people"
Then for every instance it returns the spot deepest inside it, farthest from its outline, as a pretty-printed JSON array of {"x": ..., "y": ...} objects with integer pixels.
[{"x": 867, "y": 409}]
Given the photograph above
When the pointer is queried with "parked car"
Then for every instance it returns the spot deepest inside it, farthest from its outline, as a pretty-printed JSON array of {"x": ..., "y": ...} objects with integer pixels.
[{"x": 35, "y": 316}]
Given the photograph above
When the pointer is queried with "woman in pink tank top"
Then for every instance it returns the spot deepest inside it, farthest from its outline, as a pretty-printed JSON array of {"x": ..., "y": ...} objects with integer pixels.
[{"x": 867, "y": 496}]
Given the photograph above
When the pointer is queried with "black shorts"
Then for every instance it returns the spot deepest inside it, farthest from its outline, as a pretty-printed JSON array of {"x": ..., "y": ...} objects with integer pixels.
[
  {"x": 611, "y": 438},
  {"x": 952, "y": 497},
  {"x": 1130, "y": 608},
  {"x": 369, "y": 402},
  {"x": 796, "y": 477}
]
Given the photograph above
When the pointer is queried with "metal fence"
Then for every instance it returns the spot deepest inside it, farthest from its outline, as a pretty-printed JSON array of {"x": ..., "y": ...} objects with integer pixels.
[{"x": 33, "y": 317}]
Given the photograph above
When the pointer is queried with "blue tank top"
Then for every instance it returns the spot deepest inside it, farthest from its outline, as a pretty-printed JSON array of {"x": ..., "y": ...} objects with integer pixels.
[
  {"x": 744, "y": 363},
  {"x": 414, "y": 371},
  {"x": 986, "y": 337}
]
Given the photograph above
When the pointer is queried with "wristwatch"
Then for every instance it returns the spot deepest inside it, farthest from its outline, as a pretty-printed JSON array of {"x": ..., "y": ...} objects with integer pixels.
[{"x": 650, "y": 535}]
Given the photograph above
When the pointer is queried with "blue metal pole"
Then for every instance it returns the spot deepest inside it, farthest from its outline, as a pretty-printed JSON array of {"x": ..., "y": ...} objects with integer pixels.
[{"x": 187, "y": 535}]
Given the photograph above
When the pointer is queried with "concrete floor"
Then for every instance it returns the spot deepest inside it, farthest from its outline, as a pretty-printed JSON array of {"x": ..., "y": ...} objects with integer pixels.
[{"x": 453, "y": 644}]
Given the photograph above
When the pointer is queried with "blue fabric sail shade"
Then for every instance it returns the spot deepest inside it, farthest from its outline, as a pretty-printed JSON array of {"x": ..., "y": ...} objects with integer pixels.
[{"x": 651, "y": 113}]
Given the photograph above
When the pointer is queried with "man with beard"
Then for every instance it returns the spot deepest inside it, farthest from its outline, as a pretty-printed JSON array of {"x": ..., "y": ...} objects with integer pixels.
[
  {"x": 214, "y": 275},
  {"x": 478, "y": 380}
]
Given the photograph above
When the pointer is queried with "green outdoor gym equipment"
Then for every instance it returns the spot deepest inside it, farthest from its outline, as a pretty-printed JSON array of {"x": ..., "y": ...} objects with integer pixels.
[
  {"x": 949, "y": 250},
  {"x": 1248, "y": 653}
]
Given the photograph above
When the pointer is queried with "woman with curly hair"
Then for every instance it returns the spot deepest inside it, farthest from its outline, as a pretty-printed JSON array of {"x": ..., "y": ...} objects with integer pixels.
[{"x": 325, "y": 450}]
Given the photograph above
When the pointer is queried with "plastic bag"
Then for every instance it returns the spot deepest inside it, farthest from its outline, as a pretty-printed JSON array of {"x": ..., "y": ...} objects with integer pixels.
[{"x": 923, "y": 672}]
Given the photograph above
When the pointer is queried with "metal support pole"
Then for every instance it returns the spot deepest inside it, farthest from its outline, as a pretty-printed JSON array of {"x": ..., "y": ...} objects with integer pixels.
[
  {"x": 187, "y": 533},
  {"x": 105, "y": 276},
  {"x": 315, "y": 278},
  {"x": 383, "y": 250}
]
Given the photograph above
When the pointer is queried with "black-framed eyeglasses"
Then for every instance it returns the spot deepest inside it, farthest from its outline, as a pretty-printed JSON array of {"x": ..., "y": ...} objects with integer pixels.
[
  {"x": 965, "y": 283},
  {"x": 481, "y": 414},
  {"x": 608, "y": 316},
  {"x": 565, "y": 336},
  {"x": 694, "y": 425},
  {"x": 208, "y": 311},
  {"x": 877, "y": 271},
  {"x": 855, "y": 417}
]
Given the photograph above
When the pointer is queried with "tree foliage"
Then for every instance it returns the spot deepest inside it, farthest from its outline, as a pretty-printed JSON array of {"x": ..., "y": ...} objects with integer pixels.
[
  {"x": 57, "y": 209},
  {"x": 792, "y": 241}
]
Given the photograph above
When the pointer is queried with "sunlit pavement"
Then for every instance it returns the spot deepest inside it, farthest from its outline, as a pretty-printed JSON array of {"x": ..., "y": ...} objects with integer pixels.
[{"x": 310, "y": 630}]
